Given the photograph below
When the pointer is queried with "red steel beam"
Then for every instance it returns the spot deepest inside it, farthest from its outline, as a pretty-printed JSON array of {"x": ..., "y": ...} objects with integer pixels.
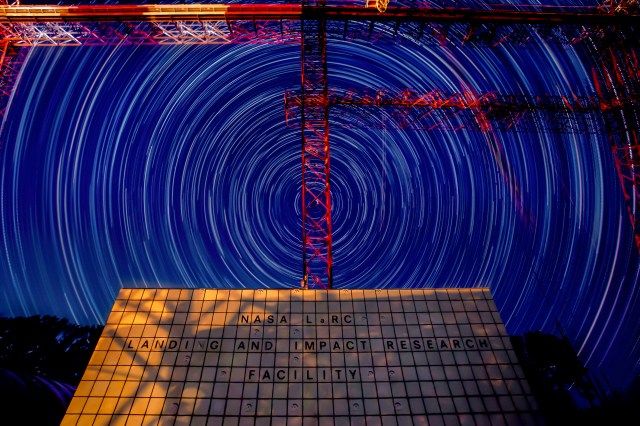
[
  {"x": 437, "y": 110},
  {"x": 11, "y": 59},
  {"x": 617, "y": 77},
  {"x": 615, "y": 110},
  {"x": 148, "y": 13},
  {"x": 22, "y": 26},
  {"x": 266, "y": 23},
  {"x": 627, "y": 160},
  {"x": 554, "y": 15},
  {"x": 317, "y": 257}
]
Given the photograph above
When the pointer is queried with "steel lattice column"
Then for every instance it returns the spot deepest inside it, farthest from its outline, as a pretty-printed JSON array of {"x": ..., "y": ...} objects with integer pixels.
[
  {"x": 316, "y": 193},
  {"x": 10, "y": 64},
  {"x": 617, "y": 79},
  {"x": 627, "y": 160}
]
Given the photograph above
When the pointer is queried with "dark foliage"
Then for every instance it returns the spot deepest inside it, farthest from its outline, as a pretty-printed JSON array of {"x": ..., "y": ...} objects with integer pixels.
[
  {"x": 47, "y": 347},
  {"x": 562, "y": 386},
  {"x": 35, "y": 400}
]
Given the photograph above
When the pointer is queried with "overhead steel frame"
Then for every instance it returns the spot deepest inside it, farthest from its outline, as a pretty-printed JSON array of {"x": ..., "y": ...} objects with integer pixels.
[{"x": 613, "y": 28}]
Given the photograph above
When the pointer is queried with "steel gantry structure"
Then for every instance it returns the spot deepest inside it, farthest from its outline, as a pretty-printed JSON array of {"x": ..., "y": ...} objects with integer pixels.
[{"x": 608, "y": 34}]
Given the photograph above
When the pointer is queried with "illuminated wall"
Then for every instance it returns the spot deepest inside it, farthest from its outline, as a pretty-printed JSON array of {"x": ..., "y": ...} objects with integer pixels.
[{"x": 260, "y": 357}]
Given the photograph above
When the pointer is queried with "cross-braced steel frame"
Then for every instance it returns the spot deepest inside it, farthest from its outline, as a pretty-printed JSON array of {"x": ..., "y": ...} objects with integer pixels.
[{"x": 610, "y": 32}]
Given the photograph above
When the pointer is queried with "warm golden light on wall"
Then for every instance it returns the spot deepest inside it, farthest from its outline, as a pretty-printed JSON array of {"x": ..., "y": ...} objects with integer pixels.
[{"x": 304, "y": 357}]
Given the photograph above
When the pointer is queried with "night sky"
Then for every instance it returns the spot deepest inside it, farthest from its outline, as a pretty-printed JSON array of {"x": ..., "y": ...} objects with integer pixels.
[{"x": 173, "y": 167}]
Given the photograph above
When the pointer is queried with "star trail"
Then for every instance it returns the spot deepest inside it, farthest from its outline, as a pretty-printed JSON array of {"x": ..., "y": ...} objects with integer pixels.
[{"x": 156, "y": 166}]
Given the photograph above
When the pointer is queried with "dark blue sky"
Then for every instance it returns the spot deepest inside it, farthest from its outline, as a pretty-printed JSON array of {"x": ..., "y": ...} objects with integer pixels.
[{"x": 172, "y": 167}]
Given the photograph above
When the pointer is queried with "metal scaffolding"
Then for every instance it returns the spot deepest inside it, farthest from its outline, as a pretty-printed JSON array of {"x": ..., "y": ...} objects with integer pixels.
[{"x": 609, "y": 33}]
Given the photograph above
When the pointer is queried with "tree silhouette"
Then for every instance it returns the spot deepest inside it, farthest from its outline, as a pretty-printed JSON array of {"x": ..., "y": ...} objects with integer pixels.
[
  {"x": 47, "y": 346},
  {"x": 42, "y": 360},
  {"x": 558, "y": 379}
]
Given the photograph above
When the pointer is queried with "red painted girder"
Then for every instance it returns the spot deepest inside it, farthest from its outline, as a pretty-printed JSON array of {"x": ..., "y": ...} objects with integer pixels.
[
  {"x": 148, "y": 13},
  {"x": 317, "y": 258},
  {"x": 220, "y": 23},
  {"x": 546, "y": 15},
  {"x": 553, "y": 15},
  {"x": 437, "y": 110},
  {"x": 11, "y": 59},
  {"x": 627, "y": 159}
]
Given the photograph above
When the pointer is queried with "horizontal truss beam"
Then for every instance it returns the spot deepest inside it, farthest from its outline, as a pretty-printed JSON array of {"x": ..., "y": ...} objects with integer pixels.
[
  {"x": 148, "y": 13},
  {"x": 222, "y": 24},
  {"x": 436, "y": 110},
  {"x": 554, "y": 15}
]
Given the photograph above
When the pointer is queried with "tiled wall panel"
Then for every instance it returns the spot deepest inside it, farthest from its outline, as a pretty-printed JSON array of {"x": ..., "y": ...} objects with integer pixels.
[{"x": 273, "y": 357}]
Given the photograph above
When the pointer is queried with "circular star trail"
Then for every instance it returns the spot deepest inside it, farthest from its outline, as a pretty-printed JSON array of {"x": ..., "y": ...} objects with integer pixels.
[{"x": 172, "y": 166}]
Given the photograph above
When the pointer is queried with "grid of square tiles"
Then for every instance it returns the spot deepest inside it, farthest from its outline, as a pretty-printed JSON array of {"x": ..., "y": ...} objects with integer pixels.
[{"x": 254, "y": 357}]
